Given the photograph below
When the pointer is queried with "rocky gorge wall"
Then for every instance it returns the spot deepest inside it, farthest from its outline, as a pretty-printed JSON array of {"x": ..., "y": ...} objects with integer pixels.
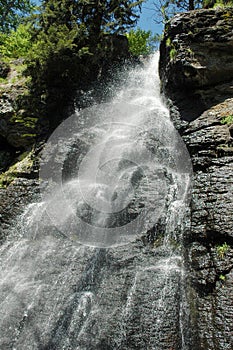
[
  {"x": 196, "y": 70},
  {"x": 27, "y": 120},
  {"x": 75, "y": 297}
]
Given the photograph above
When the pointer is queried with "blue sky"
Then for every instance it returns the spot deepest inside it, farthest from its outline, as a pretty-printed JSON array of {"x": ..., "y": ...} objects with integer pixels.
[{"x": 147, "y": 18}]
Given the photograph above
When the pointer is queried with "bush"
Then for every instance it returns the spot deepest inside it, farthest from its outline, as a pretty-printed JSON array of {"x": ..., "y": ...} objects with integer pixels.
[
  {"x": 227, "y": 120},
  {"x": 141, "y": 42},
  {"x": 222, "y": 250},
  {"x": 16, "y": 44}
]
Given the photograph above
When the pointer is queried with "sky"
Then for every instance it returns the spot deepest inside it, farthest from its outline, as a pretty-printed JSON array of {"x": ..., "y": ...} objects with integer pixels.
[{"x": 147, "y": 18}]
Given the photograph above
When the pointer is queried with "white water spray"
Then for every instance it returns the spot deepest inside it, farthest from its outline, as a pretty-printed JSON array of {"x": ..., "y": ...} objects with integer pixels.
[
  {"x": 112, "y": 175},
  {"x": 120, "y": 187}
]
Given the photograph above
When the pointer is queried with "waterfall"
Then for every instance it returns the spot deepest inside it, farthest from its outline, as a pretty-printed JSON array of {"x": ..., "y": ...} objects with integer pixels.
[{"x": 98, "y": 263}]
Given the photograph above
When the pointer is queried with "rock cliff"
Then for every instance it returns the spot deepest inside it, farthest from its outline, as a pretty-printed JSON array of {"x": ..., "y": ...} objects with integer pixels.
[
  {"x": 196, "y": 71},
  {"x": 25, "y": 124}
]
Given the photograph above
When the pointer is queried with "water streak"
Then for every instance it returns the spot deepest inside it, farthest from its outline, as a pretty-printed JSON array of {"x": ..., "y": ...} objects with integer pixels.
[{"x": 116, "y": 181}]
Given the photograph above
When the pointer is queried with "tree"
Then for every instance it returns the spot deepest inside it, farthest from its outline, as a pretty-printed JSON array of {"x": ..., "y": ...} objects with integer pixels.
[
  {"x": 12, "y": 12},
  {"x": 142, "y": 42},
  {"x": 72, "y": 42},
  {"x": 99, "y": 17},
  {"x": 16, "y": 43},
  {"x": 165, "y": 9}
]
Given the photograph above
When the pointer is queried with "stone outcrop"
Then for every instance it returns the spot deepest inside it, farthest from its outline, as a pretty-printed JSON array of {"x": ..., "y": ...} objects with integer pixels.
[
  {"x": 26, "y": 116},
  {"x": 68, "y": 296},
  {"x": 24, "y": 126},
  {"x": 4, "y": 69},
  {"x": 197, "y": 74},
  {"x": 196, "y": 70},
  {"x": 18, "y": 127},
  {"x": 197, "y": 60}
]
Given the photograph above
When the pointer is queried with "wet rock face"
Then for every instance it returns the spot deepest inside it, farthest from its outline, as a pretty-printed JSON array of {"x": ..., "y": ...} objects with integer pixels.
[
  {"x": 13, "y": 199},
  {"x": 210, "y": 243},
  {"x": 18, "y": 128},
  {"x": 205, "y": 94},
  {"x": 19, "y": 186},
  {"x": 196, "y": 59}
]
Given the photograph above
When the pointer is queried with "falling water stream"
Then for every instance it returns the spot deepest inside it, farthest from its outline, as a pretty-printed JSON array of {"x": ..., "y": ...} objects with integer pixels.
[{"x": 98, "y": 262}]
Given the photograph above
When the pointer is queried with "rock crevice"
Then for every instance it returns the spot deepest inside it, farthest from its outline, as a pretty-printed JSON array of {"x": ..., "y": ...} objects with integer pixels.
[
  {"x": 196, "y": 71},
  {"x": 197, "y": 60}
]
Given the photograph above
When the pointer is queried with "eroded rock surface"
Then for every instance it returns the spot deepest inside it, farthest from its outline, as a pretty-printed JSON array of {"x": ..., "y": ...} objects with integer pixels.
[
  {"x": 18, "y": 126},
  {"x": 197, "y": 60},
  {"x": 197, "y": 79}
]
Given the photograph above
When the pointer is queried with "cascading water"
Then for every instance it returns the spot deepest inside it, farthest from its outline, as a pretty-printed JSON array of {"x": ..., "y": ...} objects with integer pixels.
[{"x": 98, "y": 264}]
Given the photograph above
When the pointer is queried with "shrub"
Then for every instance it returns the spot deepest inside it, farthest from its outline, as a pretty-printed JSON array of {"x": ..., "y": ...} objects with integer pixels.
[
  {"x": 17, "y": 43},
  {"x": 173, "y": 54},
  {"x": 227, "y": 120},
  {"x": 142, "y": 42},
  {"x": 222, "y": 250}
]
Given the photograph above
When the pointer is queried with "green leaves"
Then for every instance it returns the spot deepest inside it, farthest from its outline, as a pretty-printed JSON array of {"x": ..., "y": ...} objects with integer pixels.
[
  {"x": 58, "y": 38},
  {"x": 66, "y": 45},
  {"x": 142, "y": 42},
  {"x": 12, "y": 12},
  {"x": 17, "y": 43},
  {"x": 227, "y": 119},
  {"x": 222, "y": 250}
]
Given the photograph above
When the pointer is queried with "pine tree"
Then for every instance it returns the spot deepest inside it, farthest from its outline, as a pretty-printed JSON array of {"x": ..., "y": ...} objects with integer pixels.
[
  {"x": 71, "y": 42},
  {"x": 12, "y": 12}
]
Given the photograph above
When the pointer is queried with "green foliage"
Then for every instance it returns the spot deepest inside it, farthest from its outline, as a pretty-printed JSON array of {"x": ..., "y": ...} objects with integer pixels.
[
  {"x": 65, "y": 46},
  {"x": 227, "y": 120},
  {"x": 172, "y": 49},
  {"x": 79, "y": 28},
  {"x": 208, "y": 3},
  {"x": 3, "y": 81},
  {"x": 70, "y": 42},
  {"x": 168, "y": 42},
  {"x": 141, "y": 42},
  {"x": 17, "y": 43},
  {"x": 222, "y": 250},
  {"x": 109, "y": 16},
  {"x": 216, "y": 3},
  {"x": 165, "y": 9},
  {"x": 173, "y": 54},
  {"x": 12, "y": 13},
  {"x": 57, "y": 40},
  {"x": 222, "y": 277}
]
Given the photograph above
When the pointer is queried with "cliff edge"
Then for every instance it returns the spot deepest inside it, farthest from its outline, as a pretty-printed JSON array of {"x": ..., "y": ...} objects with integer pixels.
[{"x": 196, "y": 71}]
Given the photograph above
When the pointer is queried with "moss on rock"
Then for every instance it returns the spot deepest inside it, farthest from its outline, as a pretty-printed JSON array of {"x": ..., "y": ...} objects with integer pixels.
[{"x": 22, "y": 168}]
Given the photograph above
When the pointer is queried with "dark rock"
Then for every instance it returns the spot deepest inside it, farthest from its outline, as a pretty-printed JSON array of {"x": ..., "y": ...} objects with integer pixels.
[
  {"x": 196, "y": 60},
  {"x": 17, "y": 129},
  {"x": 13, "y": 199},
  {"x": 4, "y": 69},
  {"x": 197, "y": 81},
  {"x": 129, "y": 297},
  {"x": 6, "y": 157}
]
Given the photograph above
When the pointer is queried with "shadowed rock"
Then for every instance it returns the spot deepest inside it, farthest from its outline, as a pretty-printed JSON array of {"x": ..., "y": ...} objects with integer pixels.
[{"x": 197, "y": 80}]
